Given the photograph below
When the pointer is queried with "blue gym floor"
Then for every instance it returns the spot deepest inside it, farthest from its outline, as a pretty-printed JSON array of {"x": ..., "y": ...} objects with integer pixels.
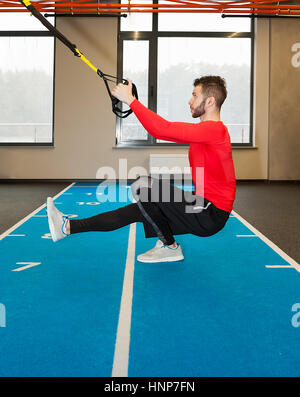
[{"x": 220, "y": 312}]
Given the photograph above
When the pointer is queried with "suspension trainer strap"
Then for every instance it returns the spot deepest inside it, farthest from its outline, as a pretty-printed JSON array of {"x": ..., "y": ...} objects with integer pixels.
[{"x": 115, "y": 102}]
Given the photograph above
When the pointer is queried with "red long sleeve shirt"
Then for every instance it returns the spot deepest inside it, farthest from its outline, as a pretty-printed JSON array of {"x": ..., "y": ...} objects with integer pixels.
[{"x": 210, "y": 148}]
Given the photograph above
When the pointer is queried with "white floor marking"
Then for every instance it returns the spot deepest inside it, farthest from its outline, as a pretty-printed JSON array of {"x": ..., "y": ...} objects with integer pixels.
[
  {"x": 46, "y": 235},
  {"x": 280, "y": 266},
  {"x": 121, "y": 355},
  {"x": 40, "y": 216},
  {"x": 274, "y": 247},
  {"x": 29, "y": 264},
  {"x": 5, "y": 234},
  {"x": 16, "y": 235}
]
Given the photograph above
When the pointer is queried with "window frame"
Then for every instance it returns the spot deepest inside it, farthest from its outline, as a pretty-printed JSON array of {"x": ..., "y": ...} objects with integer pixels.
[
  {"x": 152, "y": 37},
  {"x": 35, "y": 33}
]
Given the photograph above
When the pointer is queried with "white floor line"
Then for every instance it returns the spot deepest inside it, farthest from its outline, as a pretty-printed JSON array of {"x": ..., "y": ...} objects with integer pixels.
[
  {"x": 29, "y": 264},
  {"x": 274, "y": 247},
  {"x": 5, "y": 234},
  {"x": 280, "y": 266},
  {"x": 121, "y": 355},
  {"x": 16, "y": 235}
]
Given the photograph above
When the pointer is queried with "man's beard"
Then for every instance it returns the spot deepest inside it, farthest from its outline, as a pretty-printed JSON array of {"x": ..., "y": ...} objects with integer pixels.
[{"x": 199, "y": 111}]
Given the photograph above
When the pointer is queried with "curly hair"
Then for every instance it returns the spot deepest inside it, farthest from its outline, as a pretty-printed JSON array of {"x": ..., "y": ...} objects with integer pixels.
[{"x": 214, "y": 86}]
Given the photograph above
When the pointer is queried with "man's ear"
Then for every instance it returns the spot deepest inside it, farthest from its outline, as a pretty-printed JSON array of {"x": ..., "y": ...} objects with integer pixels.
[{"x": 211, "y": 101}]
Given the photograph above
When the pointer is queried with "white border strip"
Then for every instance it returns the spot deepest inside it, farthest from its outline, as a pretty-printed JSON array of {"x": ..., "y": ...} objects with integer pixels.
[
  {"x": 274, "y": 247},
  {"x": 5, "y": 234},
  {"x": 121, "y": 355}
]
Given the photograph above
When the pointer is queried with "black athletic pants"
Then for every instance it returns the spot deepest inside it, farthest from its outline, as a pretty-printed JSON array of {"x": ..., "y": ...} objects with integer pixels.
[
  {"x": 136, "y": 212},
  {"x": 165, "y": 211},
  {"x": 121, "y": 217}
]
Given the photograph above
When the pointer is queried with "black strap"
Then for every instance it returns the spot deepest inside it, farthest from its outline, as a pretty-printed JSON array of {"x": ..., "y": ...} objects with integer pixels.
[
  {"x": 50, "y": 27},
  {"x": 115, "y": 102}
]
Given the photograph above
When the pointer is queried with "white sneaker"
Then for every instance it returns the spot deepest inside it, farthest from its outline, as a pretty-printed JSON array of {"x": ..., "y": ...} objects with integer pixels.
[
  {"x": 161, "y": 253},
  {"x": 56, "y": 221}
]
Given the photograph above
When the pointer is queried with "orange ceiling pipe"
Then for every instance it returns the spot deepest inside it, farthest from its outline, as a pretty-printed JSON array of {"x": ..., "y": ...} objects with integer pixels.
[
  {"x": 257, "y": 7},
  {"x": 165, "y": 6}
]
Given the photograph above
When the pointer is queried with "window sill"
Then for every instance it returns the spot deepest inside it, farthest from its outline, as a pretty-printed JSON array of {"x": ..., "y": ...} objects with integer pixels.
[
  {"x": 25, "y": 144},
  {"x": 164, "y": 145},
  {"x": 171, "y": 146},
  {"x": 244, "y": 147}
]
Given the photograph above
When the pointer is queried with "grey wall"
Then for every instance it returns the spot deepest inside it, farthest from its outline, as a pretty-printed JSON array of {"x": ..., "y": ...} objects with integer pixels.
[{"x": 85, "y": 125}]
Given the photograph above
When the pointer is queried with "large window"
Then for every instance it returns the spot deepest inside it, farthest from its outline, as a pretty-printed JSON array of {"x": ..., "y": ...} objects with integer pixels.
[
  {"x": 26, "y": 81},
  {"x": 165, "y": 61}
]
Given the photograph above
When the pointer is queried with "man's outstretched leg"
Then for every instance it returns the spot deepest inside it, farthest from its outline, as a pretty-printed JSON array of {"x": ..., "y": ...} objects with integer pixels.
[{"x": 166, "y": 249}]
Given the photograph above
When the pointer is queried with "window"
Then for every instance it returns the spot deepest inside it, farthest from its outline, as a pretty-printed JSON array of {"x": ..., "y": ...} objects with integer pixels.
[
  {"x": 26, "y": 81},
  {"x": 164, "y": 62},
  {"x": 138, "y": 71}
]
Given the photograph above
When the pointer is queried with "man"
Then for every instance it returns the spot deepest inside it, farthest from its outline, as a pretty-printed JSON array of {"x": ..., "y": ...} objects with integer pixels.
[{"x": 209, "y": 150}]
